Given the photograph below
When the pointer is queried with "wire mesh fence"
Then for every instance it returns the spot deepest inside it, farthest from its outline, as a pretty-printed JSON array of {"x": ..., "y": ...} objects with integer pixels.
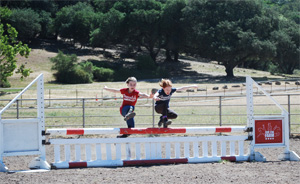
[{"x": 193, "y": 110}]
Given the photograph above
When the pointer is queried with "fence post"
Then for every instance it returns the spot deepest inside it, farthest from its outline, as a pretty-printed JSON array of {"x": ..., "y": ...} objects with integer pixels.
[
  {"x": 153, "y": 115},
  {"x": 220, "y": 110},
  {"x": 49, "y": 97},
  {"x": 147, "y": 93},
  {"x": 289, "y": 110},
  {"x": 83, "y": 113},
  {"x": 271, "y": 87},
  {"x": 17, "y": 109},
  {"x": 102, "y": 96},
  {"x": 76, "y": 97}
]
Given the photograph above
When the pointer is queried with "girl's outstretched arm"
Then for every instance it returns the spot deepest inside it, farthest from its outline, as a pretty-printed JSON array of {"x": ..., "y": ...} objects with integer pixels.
[
  {"x": 144, "y": 95},
  {"x": 155, "y": 97},
  {"x": 111, "y": 90},
  {"x": 186, "y": 87}
]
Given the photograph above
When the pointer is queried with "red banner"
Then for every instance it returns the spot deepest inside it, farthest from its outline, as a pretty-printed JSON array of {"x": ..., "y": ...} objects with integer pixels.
[{"x": 268, "y": 131}]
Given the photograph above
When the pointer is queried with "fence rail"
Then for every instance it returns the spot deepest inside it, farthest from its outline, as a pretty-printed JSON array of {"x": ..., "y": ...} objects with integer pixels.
[{"x": 64, "y": 112}]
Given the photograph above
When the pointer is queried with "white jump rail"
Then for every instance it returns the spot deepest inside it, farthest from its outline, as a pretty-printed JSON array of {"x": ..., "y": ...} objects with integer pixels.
[
  {"x": 110, "y": 131},
  {"x": 24, "y": 136}
]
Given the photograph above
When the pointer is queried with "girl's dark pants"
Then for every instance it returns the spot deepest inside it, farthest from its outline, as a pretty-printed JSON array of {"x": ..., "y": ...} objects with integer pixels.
[
  {"x": 164, "y": 110},
  {"x": 130, "y": 122}
]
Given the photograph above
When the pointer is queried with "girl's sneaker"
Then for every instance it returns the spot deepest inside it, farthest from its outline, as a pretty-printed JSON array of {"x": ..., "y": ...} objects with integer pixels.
[
  {"x": 167, "y": 123},
  {"x": 129, "y": 115},
  {"x": 160, "y": 121}
]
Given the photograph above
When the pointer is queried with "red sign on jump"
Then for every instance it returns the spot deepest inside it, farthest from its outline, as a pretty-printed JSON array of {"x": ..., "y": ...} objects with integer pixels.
[{"x": 268, "y": 131}]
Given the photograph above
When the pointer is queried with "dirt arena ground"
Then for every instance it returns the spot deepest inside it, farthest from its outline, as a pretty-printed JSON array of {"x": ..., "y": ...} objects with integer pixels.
[{"x": 272, "y": 171}]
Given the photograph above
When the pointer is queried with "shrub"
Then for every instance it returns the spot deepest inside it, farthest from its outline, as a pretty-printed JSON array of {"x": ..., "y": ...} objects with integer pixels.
[
  {"x": 145, "y": 62},
  {"x": 103, "y": 74},
  {"x": 79, "y": 75},
  {"x": 273, "y": 69},
  {"x": 68, "y": 71}
]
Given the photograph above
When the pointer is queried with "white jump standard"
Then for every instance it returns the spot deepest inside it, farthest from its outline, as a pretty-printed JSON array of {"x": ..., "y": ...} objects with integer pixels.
[{"x": 28, "y": 137}]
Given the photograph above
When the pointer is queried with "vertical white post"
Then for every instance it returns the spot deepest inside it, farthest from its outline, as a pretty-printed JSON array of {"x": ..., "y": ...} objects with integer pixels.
[
  {"x": 67, "y": 153},
  {"x": 98, "y": 152},
  {"x": 158, "y": 150},
  {"x": 186, "y": 149},
  {"x": 138, "y": 151},
  {"x": 223, "y": 148},
  {"x": 147, "y": 150},
  {"x": 3, "y": 168},
  {"x": 177, "y": 150},
  {"x": 128, "y": 151},
  {"x": 88, "y": 154},
  {"x": 108, "y": 151},
  {"x": 118, "y": 152},
  {"x": 56, "y": 153},
  {"x": 214, "y": 148},
  {"x": 196, "y": 149},
  {"x": 77, "y": 152},
  {"x": 241, "y": 148},
  {"x": 250, "y": 113},
  {"x": 168, "y": 150},
  {"x": 41, "y": 115},
  {"x": 204, "y": 149},
  {"x": 232, "y": 148},
  {"x": 286, "y": 132},
  {"x": 153, "y": 150}
]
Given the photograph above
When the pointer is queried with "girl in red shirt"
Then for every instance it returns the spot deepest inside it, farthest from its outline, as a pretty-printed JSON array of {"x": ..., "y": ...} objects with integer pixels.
[{"x": 130, "y": 96}]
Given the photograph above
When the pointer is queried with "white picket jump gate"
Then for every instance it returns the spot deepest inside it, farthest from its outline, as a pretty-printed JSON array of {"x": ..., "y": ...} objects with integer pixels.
[
  {"x": 108, "y": 152},
  {"x": 27, "y": 137}
]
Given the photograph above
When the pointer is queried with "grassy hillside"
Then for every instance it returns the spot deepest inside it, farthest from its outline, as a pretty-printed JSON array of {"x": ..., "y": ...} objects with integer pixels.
[{"x": 188, "y": 70}]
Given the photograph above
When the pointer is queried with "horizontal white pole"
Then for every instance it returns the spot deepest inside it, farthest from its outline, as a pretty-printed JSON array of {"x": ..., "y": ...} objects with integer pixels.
[
  {"x": 32, "y": 120},
  {"x": 188, "y": 130}
]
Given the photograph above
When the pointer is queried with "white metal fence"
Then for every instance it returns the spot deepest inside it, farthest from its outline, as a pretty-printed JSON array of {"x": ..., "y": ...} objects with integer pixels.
[{"x": 196, "y": 110}]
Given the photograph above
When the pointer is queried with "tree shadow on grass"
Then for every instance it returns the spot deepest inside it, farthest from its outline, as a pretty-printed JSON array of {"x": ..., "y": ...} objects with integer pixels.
[
  {"x": 181, "y": 72},
  {"x": 178, "y": 72},
  {"x": 65, "y": 47}
]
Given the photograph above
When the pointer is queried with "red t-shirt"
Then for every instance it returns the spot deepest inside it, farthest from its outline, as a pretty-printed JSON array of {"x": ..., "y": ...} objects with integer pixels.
[{"x": 129, "y": 98}]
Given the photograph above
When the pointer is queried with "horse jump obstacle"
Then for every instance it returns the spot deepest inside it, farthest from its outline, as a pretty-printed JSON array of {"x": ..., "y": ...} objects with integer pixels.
[
  {"x": 263, "y": 132},
  {"x": 147, "y": 151}
]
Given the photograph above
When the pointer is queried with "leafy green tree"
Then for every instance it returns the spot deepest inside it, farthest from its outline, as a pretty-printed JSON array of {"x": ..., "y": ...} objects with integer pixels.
[
  {"x": 46, "y": 22},
  {"x": 75, "y": 22},
  {"x": 27, "y": 23},
  {"x": 289, "y": 8},
  {"x": 107, "y": 29},
  {"x": 231, "y": 32},
  {"x": 9, "y": 49},
  {"x": 103, "y": 6},
  {"x": 144, "y": 23},
  {"x": 287, "y": 45},
  {"x": 173, "y": 28}
]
